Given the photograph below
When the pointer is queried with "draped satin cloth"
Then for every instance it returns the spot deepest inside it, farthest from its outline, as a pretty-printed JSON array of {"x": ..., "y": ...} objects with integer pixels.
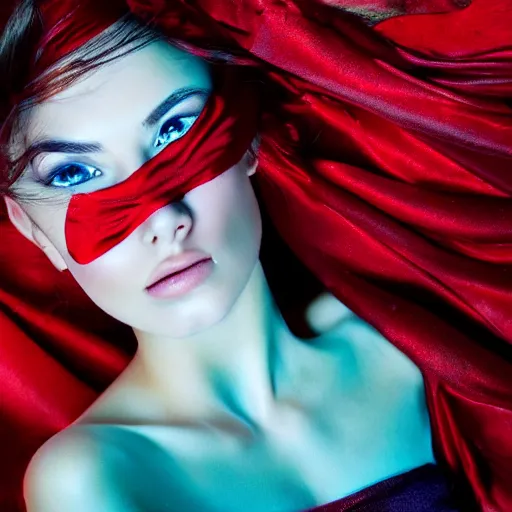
[
  {"x": 229, "y": 119},
  {"x": 423, "y": 489},
  {"x": 385, "y": 166}
]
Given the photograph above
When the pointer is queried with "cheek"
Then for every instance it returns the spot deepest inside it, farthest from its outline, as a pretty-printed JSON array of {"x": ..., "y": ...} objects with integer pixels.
[
  {"x": 226, "y": 222},
  {"x": 50, "y": 219},
  {"x": 244, "y": 225},
  {"x": 228, "y": 212},
  {"x": 111, "y": 275}
]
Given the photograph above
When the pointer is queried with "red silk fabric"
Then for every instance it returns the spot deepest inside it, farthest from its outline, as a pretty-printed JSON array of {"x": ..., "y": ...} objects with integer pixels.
[
  {"x": 67, "y": 26},
  {"x": 385, "y": 165},
  {"x": 229, "y": 119}
]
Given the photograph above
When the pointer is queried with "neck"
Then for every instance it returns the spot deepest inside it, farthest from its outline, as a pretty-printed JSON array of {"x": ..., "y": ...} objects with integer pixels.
[{"x": 230, "y": 367}]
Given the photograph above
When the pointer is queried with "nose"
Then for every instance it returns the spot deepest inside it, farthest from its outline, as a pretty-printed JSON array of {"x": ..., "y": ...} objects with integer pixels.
[{"x": 169, "y": 225}]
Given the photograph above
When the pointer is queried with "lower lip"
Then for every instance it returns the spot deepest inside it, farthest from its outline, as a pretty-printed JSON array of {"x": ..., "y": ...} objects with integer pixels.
[{"x": 182, "y": 282}]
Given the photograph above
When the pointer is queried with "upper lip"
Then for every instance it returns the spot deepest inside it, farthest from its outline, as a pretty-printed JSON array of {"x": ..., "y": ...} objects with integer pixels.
[{"x": 175, "y": 264}]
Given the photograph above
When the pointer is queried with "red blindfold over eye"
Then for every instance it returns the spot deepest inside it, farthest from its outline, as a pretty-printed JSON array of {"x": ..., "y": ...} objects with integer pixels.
[{"x": 219, "y": 138}]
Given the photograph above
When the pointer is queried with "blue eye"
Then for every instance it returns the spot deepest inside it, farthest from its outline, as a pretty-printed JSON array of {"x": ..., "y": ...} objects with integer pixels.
[
  {"x": 71, "y": 175},
  {"x": 174, "y": 129}
]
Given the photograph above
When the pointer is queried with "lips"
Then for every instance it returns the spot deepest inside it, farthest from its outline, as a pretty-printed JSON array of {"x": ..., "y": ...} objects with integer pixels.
[{"x": 176, "y": 264}]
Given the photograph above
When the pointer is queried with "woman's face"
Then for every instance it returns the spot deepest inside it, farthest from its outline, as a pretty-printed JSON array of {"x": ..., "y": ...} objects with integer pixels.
[{"x": 120, "y": 118}]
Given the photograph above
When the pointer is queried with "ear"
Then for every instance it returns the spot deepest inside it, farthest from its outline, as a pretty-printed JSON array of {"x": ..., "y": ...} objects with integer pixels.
[
  {"x": 27, "y": 227},
  {"x": 252, "y": 163}
]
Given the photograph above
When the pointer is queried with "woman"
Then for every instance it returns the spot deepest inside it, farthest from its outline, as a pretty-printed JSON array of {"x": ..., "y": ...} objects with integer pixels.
[{"x": 223, "y": 406}]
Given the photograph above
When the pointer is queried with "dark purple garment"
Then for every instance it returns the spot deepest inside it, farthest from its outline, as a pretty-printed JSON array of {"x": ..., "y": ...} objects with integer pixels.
[{"x": 423, "y": 489}]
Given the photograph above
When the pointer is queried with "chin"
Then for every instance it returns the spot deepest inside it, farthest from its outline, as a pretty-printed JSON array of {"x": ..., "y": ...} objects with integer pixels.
[{"x": 189, "y": 318}]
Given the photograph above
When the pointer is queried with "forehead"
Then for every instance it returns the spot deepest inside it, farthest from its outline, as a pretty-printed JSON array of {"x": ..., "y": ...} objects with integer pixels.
[{"x": 124, "y": 90}]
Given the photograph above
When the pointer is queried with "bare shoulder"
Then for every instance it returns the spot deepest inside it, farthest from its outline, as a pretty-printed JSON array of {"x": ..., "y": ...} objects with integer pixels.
[
  {"x": 64, "y": 475},
  {"x": 325, "y": 313},
  {"x": 125, "y": 401},
  {"x": 340, "y": 328}
]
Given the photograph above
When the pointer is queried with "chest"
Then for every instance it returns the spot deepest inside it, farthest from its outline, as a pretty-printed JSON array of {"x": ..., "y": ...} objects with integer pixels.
[{"x": 358, "y": 418}]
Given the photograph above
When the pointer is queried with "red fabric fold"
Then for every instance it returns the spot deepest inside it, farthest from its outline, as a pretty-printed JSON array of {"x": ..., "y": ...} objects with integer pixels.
[
  {"x": 391, "y": 147},
  {"x": 68, "y": 26},
  {"x": 229, "y": 119}
]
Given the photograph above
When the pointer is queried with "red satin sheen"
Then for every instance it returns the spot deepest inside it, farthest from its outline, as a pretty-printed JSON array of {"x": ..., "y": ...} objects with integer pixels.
[
  {"x": 229, "y": 119},
  {"x": 70, "y": 25},
  {"x": 391, "y": 148}
]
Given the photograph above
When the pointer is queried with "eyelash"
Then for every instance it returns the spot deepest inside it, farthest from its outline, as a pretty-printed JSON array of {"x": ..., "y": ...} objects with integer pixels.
[
  {"x": 186, "y": 123},
  {"x": 163, "y": 139}
]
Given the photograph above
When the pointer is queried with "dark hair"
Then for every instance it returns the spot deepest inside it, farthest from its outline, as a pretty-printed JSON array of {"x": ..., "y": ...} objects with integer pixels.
[{"x": 18, "y": 47}]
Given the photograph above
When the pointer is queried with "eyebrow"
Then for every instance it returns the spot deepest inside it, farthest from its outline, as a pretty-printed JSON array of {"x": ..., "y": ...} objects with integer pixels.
[
  {"x": 58, "y": 146},
  {"x": 171, "y": 101},
  {"x": 80, "y": 148}
]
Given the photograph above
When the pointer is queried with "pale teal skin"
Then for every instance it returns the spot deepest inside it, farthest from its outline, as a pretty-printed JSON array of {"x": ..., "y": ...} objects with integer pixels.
[{"x": 223, "y": 408}]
